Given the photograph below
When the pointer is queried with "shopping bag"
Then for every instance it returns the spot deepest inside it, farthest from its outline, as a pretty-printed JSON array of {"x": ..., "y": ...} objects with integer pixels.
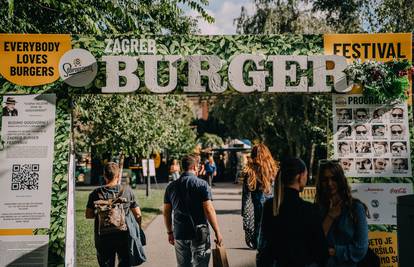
[{"x": 220, "y": 257}]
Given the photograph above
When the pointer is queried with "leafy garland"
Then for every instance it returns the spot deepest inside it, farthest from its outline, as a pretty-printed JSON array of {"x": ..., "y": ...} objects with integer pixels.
[{"x": 386, "y": 81}]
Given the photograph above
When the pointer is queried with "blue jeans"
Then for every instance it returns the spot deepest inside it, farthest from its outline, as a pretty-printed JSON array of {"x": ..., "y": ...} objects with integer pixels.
[{"x": 192, "y": 255}]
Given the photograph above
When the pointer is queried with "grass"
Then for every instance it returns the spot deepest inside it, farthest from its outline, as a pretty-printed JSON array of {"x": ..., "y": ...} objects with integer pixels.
[{"x": 85, "y": 247}]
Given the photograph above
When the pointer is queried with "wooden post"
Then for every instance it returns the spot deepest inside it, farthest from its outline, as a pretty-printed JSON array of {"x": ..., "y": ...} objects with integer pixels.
[{"x": 148, "y": 186}]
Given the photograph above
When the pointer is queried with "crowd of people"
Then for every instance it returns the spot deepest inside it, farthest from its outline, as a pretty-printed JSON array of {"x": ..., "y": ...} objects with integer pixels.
[{"x": 286, "y": 230}]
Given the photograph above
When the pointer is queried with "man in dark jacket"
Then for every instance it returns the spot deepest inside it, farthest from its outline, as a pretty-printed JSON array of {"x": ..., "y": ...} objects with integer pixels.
[
  {"x": 9, "y": 109},
  {"x": 291, "y": 233}
]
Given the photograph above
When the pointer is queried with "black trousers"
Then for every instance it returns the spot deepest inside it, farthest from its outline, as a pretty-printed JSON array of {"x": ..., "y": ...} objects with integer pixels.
[{"x": 109, "y": 247}]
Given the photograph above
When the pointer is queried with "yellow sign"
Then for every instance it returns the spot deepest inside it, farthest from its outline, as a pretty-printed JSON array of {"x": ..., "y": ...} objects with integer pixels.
[
  {"x": 32, "y": 59},
  {"x": 16, "y": 231},
  {"x": 384, "y": 244},
  {"x": 379, "y": 46}
]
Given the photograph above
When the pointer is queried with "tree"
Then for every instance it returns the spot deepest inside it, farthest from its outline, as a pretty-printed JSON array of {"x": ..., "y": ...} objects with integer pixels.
[
  {"x": 393, "y": 16},
  {"x": 99, "y": 16},
  {"x": 288, "y": 124},
  {"x": 282, "y": 16},
  {"x": 134, "y": 125},
  {"x": 346, "y": 16}
]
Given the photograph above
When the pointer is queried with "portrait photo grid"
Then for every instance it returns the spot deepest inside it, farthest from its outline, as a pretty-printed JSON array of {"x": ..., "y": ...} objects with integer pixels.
[{"x": 371, "y": 139}]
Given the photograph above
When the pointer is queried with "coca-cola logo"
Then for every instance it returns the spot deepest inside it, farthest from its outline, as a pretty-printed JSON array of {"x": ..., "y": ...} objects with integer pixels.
[{"x": 400, "y": 190}]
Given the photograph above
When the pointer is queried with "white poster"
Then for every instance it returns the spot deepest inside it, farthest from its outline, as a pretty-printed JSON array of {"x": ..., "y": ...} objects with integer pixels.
[
  {"x": 24, "y": 250},
  {"x": 371, "y": 139},
  {"x": 26, "y": 160},
  {"x": 381, "y": 200},
  {"x": 151, "y": 167}
]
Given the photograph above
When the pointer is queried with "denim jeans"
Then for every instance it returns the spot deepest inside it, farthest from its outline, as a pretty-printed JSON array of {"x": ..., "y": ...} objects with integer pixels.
[{"x": 190, "y": 254}]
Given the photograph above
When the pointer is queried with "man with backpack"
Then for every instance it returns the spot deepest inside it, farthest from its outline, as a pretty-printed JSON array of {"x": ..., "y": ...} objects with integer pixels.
[
  {"x": 110, "y": 205},
  {"x": 189, "y": 198}
]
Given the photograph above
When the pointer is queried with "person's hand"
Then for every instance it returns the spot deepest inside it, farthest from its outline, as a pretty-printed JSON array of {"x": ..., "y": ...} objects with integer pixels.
[
  {"x": 335, "y": 209},
  {"x": 171, "y": 239},
  {"x": 219, "y": 239},
  {"x": 331, "y": 251}
]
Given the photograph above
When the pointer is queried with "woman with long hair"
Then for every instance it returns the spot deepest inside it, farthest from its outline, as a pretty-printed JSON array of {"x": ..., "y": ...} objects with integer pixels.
[
  {"x": 258, "y": 175},
  {"x": 291, "y": 232},
  {"x": 344, "y": 217}
]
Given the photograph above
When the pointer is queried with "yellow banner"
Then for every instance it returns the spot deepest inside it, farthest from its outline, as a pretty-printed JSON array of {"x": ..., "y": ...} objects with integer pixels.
[
  {"x": 384, "y": 244},
  {"x": 32, "y": 59},
  {"x": 378, "y": 46}
]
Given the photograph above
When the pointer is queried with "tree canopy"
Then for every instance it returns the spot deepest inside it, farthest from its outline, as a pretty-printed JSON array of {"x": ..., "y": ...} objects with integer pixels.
[
  {"x": 322, "y": 16},
  {"x": 135, "y": 125},
  {"x": 99, "y": 16}
]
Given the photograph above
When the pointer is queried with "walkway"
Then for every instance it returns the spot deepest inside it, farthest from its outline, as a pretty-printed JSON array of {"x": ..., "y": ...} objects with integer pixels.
[{"x": 227, "y": 201}]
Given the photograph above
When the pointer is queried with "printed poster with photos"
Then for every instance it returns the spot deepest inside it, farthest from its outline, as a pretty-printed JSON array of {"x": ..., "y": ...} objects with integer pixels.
[{"x": 371, "y": 139}]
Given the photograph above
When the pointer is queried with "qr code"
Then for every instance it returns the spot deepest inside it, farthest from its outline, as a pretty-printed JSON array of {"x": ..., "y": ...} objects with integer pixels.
[{"x": 25, "y": 177}]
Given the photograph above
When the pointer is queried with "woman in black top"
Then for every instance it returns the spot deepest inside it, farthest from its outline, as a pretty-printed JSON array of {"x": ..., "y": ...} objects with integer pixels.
[{"x": 291, "y": 229}]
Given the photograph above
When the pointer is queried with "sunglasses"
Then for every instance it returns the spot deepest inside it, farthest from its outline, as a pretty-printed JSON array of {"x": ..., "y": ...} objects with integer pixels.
[
  {"x": 361, "y": 132},
  {"x": 397, "y": 115},
  {"x": 397, "y": 132},
  {"x": 398, "y": 148}
]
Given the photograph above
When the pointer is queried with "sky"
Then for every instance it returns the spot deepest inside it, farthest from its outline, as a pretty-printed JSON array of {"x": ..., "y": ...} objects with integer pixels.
[{"x": 224, "y": 12}]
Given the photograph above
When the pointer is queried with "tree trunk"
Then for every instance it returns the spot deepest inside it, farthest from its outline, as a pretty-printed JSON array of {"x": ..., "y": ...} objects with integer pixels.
[
  {"x": 121, "y": 166},
  {"x": 312, "y": 158}
]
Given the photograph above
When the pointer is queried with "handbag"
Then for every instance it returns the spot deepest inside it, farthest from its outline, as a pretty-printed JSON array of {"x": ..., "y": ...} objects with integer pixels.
[
  {"x": 220, "y": 257},
  {"x": 370, "y": 260},
  {"x": 248, "y": 218}
]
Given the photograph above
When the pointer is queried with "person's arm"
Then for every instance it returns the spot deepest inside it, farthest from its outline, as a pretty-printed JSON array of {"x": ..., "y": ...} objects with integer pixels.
[
  {"x": 90, "y": 209},
  {"x": 333, "y": 213},
  {"x": 210, "y": 213},
  {"x": 168, "y": 222},
  {"x": 356, "y": 250},
  {"x": 133, "y": 204},
  {"x": 137, "y": 215},
  {"x": 89, "y": 213}
]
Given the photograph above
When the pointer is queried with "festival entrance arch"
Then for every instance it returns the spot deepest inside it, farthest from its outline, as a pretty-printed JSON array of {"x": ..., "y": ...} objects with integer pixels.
[{"x": 219, "y": 65}]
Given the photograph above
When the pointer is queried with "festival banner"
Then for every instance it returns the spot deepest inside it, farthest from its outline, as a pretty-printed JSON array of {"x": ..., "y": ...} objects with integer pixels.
[
  {"x": 381, "y": 200},
  {"x": 26, "y": 161},
  {"x": 378, "y": 46}
]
